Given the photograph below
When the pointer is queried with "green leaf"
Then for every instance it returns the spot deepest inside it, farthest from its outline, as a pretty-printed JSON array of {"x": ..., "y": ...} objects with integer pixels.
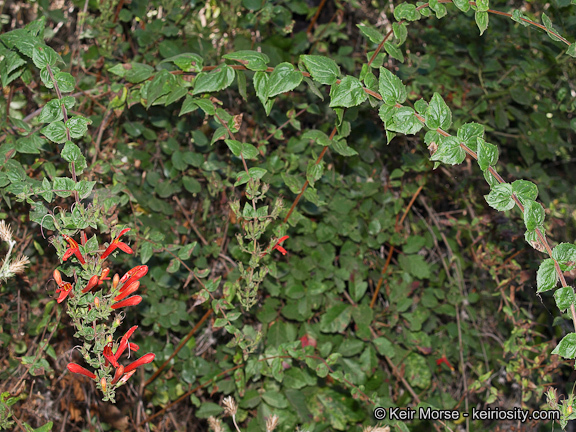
[
  {"x": 341, "y": 147},
  {"x": 21, "y": 40},
  {"x": 318, "y": 137},
  {"x": 51, "y": 112},
  {"x": 78, "y": 126},
  {"x": 438, "y": 8},
  {"x": 161, "y": 84},
  {"x": 314, "y": 172},
  {"x": 400, "y": 32},
  {"x": 500, "y": 197},
  {"x": 43, "y": 56},
  {"x": 322, "y": 69},
  {"x": 564, "y": 297},
  {"x": 406, "y": 11},
  {"x": 463, "y": 5},
  {"x": 191, "y": 184},
  {"x": 84, "y": 188},
  {"x": 449, "y": 151},
  {"x": 336, "y": 318},
  {"x": 567, "y": 346},
  {"x": 517, "y": 16},
  {"x": 10, "y": 67},
  {"x": 394, "y": 52},
  {"x": 549, "y": 27},
  {"x": 253, "y": 60},
  {"x": 370, "y": 33},
  {"x": 30, "y": 144},
  {"x": 533, "y": 215},
  {"x": 572, "y": 50},
  {"x": 187, "y": 62},
  {"x": 487, "y": 154},
  {"x": 137, "y": 72},
  {"x": 546, "y": 276},
  {"x": 71, "y": 153},
  {"x": 55, "y": 132},
  {"x": 65, "y": 81},
  {"x": 63, "y": 186},
  {"x": 405, "y": 121},
  {"x": 348, "y": 93},
  {"x": 239, "y": 148},
  {"x": 416, "y": 265},
  {"x": 481, "y": 21},
  {"x": 564, "y": 252},
  {"x": 216, "y": 80},
  {"x": 438, "y": 115},
  {"x": 483, "y": 5},
  {"x": 468, "y": 134},
  {"x": 525, "y": 191},
  {"x": 391, "y": 88},
  {"x": 283, "y": 79}
]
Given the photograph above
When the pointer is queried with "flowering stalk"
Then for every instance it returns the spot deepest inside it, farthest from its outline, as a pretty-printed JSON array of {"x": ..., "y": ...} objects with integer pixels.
[{"x": 90, "y": 304}]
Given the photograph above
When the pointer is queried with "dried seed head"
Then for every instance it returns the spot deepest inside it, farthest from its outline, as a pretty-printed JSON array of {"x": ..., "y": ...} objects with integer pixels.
[
  {"x": 230, "y": 407},
  {"x": 5, "y": 232},
  {"x": 271, "y": 423},
  {"x": 215, "y": 424},
  {"x": 18, "y": 266}
]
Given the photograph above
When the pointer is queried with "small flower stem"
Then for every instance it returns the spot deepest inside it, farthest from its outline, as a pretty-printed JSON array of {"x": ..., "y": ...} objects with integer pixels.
[{"x": 68, "y": 137}]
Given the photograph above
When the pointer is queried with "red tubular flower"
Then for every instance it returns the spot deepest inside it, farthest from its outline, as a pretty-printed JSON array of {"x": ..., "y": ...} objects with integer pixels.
[
  {"x": 133, "y": 275},
  {"x": 130, "y": 301},
  {"x": 73, "y": 249},
  {"x": 146, "y": 358},
  {"x": 280, "y": 248},
  {"x": 126, "y": 292},
  {"x": 124, "y": 342},
  {"x": 75, "y": 368},
  {"x": 110, "y": 357},
  {"x": 444, "y": 360},
  {"x": 64, "y": 288},
  {"x": 116, "y": 243}
]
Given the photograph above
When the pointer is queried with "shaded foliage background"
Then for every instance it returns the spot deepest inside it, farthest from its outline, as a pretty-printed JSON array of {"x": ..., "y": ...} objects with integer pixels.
[{"x": 157, "y": 171}]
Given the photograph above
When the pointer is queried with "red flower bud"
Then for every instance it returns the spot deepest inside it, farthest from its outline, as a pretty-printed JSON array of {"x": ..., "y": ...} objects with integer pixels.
[{"x": 91, "y": 284}]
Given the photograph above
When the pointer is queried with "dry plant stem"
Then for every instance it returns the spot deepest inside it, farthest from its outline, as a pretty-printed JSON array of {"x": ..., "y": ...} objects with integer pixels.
[
  {"x": 235, "y": 424},
  {"x": 379, "y": 285},
  {"x": 377, "y": 290},
  {"x": 179, "y": 347},
  {"x": 316, "y": 16},
  {"x": 460, "y": 283}
]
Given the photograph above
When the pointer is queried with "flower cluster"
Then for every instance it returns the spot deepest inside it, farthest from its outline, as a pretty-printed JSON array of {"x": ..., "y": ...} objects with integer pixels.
[{"x": 100, "y": 303}]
